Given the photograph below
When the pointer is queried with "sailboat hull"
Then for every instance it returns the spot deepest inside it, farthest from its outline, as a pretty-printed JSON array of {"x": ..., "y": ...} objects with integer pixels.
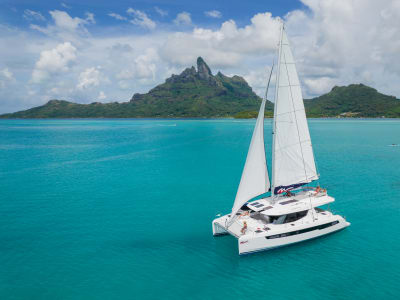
[
  {"x": 253, "y": 245},
  {"x": 255, "y": 240},
  {"x": 284, "y": 218}
]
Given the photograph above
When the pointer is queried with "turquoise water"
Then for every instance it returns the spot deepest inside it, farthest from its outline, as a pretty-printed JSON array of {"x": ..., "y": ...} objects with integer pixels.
[{"x": 122, "y": 209}]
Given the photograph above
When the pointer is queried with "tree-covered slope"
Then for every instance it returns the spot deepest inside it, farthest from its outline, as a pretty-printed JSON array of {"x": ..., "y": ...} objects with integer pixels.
[{"x": 355, "y": 100}]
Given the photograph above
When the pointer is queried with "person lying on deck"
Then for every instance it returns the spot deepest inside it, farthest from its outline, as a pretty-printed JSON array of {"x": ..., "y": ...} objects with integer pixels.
[
  {"x": 319, "y": 190},
  {"x": 243, "y": 230}
]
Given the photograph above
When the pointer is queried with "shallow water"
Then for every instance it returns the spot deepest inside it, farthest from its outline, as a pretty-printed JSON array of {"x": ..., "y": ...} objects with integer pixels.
[{"x": 122, "y": 209}]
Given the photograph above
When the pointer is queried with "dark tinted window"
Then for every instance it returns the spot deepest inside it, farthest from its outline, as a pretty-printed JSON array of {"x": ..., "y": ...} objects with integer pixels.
[
  {"x": 323, "y": 226},
  {"x": 295, "y": 216}
]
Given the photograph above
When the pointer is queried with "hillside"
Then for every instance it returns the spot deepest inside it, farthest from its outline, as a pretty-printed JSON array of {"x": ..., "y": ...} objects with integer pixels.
[
  {"x": 352, "y": 101},
  {"x": 355, "y": 100},
  {"x": 193, "y": 93}
]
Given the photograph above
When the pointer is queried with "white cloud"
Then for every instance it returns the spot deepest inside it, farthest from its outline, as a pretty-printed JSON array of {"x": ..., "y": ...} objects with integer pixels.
[
  {"x": 65, "y": 21},
  {"x": 329, "y": 46},
  {"x": 54, "y": 61},
  {"x": 318, "y": 86},
  {"x": 140, "y": 18},
  {"x": 101, "y": 95},
  {"x": 225, "y": 46},
  {"x": 7, "y": 74},
  {"x": 332, "y": 48},
  {"x": 65, "y": 27},
  {"x": 89, "y": 78},
  {"x": 125, "y": 84},
  {"x": 213, "y": 14},
  {"x": 161, "y": 12},
  {"x": 125, "y": 74},
  {"x": 6, "y": 77},
  {"x": 65, "y": 5},
  {"x": 117, "y": 16},
  {"x": 258, "y": 78},
  {"x": 31, "y": 15},
  {"x": 90, "y": 18},
  {"x": 183, "y": 18},
  {"x": 145, "y": 64},
  {"x": 143, "y": 67}
]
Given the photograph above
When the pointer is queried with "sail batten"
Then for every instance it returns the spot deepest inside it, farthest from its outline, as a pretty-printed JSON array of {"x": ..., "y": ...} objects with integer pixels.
[{"x": 293, "y": 159}]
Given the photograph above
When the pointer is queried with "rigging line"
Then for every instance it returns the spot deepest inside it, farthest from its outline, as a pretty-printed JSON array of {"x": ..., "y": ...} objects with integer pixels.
[
  {"x": 266, "y": 98},
  {"x": 285, "y": 113},
  {"x": 315, "y": 162},
  {"x": 275, "y": 109},
  {"x": 294, "y": 144},
  {"x": 298, "y": 133},
  {"x": 297, "y": 125}
]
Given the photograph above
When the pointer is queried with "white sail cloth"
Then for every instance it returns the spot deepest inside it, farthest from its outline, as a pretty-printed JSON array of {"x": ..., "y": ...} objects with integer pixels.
[
  {"x": 254, "y": 180},
  {"x": 293, "y": 158}
]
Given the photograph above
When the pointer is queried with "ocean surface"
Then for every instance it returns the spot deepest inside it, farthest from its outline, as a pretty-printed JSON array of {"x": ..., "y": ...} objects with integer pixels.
[{"x": 122, "y": 209}]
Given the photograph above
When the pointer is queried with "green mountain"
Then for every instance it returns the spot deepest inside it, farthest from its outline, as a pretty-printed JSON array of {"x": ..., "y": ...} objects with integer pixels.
[
  {"x": 355, "y": 100},
  {"x": 193, "y": 93},
  {"x": 200, "y": 94}
]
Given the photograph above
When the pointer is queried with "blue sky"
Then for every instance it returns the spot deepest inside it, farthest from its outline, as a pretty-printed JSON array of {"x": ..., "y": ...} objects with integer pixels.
[
  {"x": 108, "y": 50},
  {"x": 240, "y": 11}
]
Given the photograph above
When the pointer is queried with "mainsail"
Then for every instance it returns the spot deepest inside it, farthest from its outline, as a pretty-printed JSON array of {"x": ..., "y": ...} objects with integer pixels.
[
  {"x": 292, "y": 155},
  {"x": 255, "y": 180}
]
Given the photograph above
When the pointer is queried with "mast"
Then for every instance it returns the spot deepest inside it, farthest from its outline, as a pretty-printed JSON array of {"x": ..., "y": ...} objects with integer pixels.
[
  {"x": 275, "y": 106},
  {"x": 293, "y": 163}
]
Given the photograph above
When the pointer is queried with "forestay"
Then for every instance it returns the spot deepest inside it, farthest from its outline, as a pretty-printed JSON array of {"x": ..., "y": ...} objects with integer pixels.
[
  {"x": 254, "y": 180},
  {"x": 293, "y": 158}
]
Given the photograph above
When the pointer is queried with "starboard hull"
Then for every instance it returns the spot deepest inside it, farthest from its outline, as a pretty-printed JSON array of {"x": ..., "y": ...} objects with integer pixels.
[
  {"x": 252, "y": 244},
  {"x": 262, "y": 244}
]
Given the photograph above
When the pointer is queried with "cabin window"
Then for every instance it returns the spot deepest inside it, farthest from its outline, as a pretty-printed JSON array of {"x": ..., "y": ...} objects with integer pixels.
[
  {"x": 280, "y": 220},
  {"x": 288, "y": 218},
  {"x": 323, "y": 226},
  {"x": 295, "y": 216}
]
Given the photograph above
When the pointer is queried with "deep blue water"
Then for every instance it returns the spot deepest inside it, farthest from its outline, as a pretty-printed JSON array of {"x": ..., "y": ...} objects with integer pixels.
[{"x": 122, "y": 209}]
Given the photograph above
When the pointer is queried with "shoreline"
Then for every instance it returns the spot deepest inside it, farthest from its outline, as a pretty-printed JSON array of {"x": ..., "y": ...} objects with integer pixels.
[{"x": 196, "y": 118}]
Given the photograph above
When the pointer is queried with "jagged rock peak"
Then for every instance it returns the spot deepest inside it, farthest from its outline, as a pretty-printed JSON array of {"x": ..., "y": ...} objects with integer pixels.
[
  {"x": 189, "y": 72},
  {"x": 203, "y": 70}
]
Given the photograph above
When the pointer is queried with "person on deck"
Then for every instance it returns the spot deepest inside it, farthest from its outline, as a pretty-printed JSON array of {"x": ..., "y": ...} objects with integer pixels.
[
  {"x": 246, "y": 213},
  {"x": 289, "y": 194},
  {"x": 243, "y": 230},
  {"x": 319, "y": 190}
]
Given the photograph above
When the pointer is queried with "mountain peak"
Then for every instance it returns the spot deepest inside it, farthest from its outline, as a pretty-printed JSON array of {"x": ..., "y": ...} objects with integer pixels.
[
  {"x": 56, "y": 102},
  {"x": 354, "y": 100},
  {"x": 354, "y": 87},
  {"x": 203, "y": 70}
]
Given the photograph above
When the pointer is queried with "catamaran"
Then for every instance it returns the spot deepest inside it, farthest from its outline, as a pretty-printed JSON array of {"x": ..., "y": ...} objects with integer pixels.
[{"x": 292, "y": 213}]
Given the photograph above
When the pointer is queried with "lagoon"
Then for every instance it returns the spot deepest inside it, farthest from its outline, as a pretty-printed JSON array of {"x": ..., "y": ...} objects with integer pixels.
[{"x": 122, "y": 209}]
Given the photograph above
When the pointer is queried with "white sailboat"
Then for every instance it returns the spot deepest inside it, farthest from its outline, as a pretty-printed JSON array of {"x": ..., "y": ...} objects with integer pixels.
[{"x": 285, "y": 217}]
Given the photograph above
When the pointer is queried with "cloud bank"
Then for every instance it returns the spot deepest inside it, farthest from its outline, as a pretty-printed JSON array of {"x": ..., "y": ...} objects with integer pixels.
[{"x": 62, "y": 56}]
